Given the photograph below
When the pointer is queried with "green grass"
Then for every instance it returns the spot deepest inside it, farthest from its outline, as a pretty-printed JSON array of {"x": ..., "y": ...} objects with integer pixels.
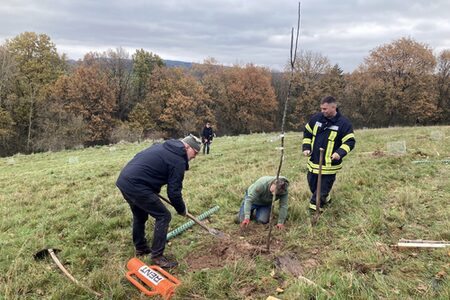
[{"x": 68, "y": 200}]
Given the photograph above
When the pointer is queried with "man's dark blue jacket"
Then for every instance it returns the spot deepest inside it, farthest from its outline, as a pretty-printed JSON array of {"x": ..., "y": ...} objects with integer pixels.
[
  {"x": 154, "y": 167},
  {"x": 333, "y": 135},
  {"x": 207, "y": 134}
]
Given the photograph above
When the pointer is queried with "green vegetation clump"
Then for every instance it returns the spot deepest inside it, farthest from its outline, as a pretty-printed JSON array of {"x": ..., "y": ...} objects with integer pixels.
[{"x": 68, "y": 200}]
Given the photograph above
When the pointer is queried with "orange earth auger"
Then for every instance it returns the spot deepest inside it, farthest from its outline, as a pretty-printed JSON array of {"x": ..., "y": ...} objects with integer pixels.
[{"x": 158, "y": 280}]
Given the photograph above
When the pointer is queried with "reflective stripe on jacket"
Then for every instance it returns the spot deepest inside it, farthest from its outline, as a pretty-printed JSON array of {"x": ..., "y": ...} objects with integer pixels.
[{"x": 333, "y": 135}]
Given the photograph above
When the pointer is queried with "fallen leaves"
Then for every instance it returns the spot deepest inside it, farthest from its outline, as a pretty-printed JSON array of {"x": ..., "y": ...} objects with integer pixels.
[
  {"x": 423, "y": 288},
  {"x": 440, "y": 275}
]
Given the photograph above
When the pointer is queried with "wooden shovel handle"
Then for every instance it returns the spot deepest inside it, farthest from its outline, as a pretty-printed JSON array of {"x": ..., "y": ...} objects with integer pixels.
[
  {"x": 61, "y": 267},
  {"x": 198, "y": 221},
  {"x": 189, "y": 216}
]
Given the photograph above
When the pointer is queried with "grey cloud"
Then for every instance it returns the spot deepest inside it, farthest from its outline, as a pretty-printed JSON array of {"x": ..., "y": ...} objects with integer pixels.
[{"x": 230, "y": 30}]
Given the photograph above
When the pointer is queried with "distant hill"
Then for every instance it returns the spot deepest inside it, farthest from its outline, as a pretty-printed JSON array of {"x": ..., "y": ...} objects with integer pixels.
[
  {"x": 169, "y": 63},
  {"x": 177, "y": 63}
]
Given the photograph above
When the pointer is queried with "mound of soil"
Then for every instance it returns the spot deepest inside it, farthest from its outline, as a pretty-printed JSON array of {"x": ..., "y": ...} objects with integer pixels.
[
  {"x": 247, "y": 244},
  {"x": 236, "y": 245}
]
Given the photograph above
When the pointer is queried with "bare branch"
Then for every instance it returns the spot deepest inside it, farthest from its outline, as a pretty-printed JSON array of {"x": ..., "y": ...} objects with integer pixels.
[{"x": 293, "y": 58}]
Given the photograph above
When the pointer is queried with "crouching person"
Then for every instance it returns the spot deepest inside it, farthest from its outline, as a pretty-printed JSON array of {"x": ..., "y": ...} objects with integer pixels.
[{"x": 258, "y": 201}]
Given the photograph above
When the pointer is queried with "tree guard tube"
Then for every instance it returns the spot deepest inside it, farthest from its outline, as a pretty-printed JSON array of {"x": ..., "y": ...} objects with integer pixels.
[{"x": 189, "y": 224}]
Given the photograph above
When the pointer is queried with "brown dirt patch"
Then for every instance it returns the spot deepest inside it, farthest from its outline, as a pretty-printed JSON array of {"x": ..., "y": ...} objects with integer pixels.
[
  {"x": 420, "y": 154},
  {"x": 366, "y": 268},
  {"x": 236, "y": 245},
  {"x": 378, "y": 153},
  {"x": 290, "y": 264}
]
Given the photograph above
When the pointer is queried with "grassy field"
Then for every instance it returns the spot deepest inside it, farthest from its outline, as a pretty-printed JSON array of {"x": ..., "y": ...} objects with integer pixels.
[{"x": 68, "y": 200}]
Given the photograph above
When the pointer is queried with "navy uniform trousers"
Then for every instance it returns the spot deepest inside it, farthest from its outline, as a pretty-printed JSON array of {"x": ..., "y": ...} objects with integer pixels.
[{"x": 325, "y": 189}]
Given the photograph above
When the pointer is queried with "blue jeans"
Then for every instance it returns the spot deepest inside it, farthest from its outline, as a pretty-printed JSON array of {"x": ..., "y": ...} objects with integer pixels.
[{"x": 262, "y": 212}]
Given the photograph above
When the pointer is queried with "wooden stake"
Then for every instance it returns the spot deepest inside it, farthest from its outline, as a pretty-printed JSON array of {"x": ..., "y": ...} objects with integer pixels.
[
  {"x": 422, "y": 244},
  {"x": 318, "y": 189},
  {"x": 310, "y": 282}
]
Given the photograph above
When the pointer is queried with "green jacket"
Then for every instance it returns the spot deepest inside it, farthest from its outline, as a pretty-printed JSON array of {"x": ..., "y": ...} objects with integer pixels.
[{"x": 258, "y": 193}]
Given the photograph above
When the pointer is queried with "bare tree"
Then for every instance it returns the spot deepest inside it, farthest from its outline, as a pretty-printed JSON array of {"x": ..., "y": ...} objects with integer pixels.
[
  {"x": 444, "y": 84},
  {"x": 310, "y": 70},
  {"x": 8, "y": 70},
  {"x": 118, "y": 64}
]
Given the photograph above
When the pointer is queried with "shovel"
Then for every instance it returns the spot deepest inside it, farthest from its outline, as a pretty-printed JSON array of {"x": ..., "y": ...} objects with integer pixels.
[
  {"x": 42, "y": 254},
  {"x": 212, "y": 231}
]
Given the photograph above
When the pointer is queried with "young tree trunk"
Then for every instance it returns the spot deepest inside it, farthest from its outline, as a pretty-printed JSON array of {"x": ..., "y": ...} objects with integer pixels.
[{"x": 30, "y": 122}]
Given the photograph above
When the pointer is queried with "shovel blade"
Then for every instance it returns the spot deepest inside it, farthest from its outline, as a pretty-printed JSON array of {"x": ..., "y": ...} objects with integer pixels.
[
  {"x": 44, "y": 253},
  {"x": 216, "y": 233}
]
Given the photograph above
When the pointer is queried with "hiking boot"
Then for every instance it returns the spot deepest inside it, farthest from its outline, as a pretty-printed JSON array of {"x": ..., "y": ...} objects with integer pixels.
[
  {"x": 312, "y": 209},
  {"x": 163, "y": 262},
  {"x": 143, "y": 251}
]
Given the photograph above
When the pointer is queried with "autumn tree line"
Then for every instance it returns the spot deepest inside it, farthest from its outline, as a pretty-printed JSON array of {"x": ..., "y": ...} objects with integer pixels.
[{"x": 49, "y": 104}]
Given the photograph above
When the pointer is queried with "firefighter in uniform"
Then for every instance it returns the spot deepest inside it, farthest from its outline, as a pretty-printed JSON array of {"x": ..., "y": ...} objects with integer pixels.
[{"x": 333, "y": 132}]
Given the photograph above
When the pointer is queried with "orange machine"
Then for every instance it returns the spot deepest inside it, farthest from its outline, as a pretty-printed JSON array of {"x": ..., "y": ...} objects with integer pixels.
[{"x": 153, "y": 277}]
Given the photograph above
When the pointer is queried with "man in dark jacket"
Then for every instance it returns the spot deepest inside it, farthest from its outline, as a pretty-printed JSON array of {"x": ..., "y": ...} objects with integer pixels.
[
  {"x": 207, "y": 136},
  {"x": 333, "y": 132},
  {"x": 140, "y": 183}
]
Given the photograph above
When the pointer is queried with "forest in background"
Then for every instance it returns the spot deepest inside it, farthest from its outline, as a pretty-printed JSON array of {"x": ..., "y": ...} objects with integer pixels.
[{"x": 49, "y": 104}]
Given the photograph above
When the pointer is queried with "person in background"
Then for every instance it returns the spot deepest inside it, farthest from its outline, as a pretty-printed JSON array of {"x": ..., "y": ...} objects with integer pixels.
[
  {"x": 207, "y": 137},
  {"x": 140, "y": 182},
  {"x": 333, "y": 132},
  {"x": 258, "y": 199}
]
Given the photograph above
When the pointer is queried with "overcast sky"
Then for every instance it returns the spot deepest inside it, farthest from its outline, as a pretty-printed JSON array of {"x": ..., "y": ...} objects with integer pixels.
[{"x": 233, "y": 31}]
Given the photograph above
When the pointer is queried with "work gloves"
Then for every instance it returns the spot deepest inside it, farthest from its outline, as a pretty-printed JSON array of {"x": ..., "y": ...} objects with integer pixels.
[
  {"x": 280, "y": 226},
  {"x": 245, "y": 223}
]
